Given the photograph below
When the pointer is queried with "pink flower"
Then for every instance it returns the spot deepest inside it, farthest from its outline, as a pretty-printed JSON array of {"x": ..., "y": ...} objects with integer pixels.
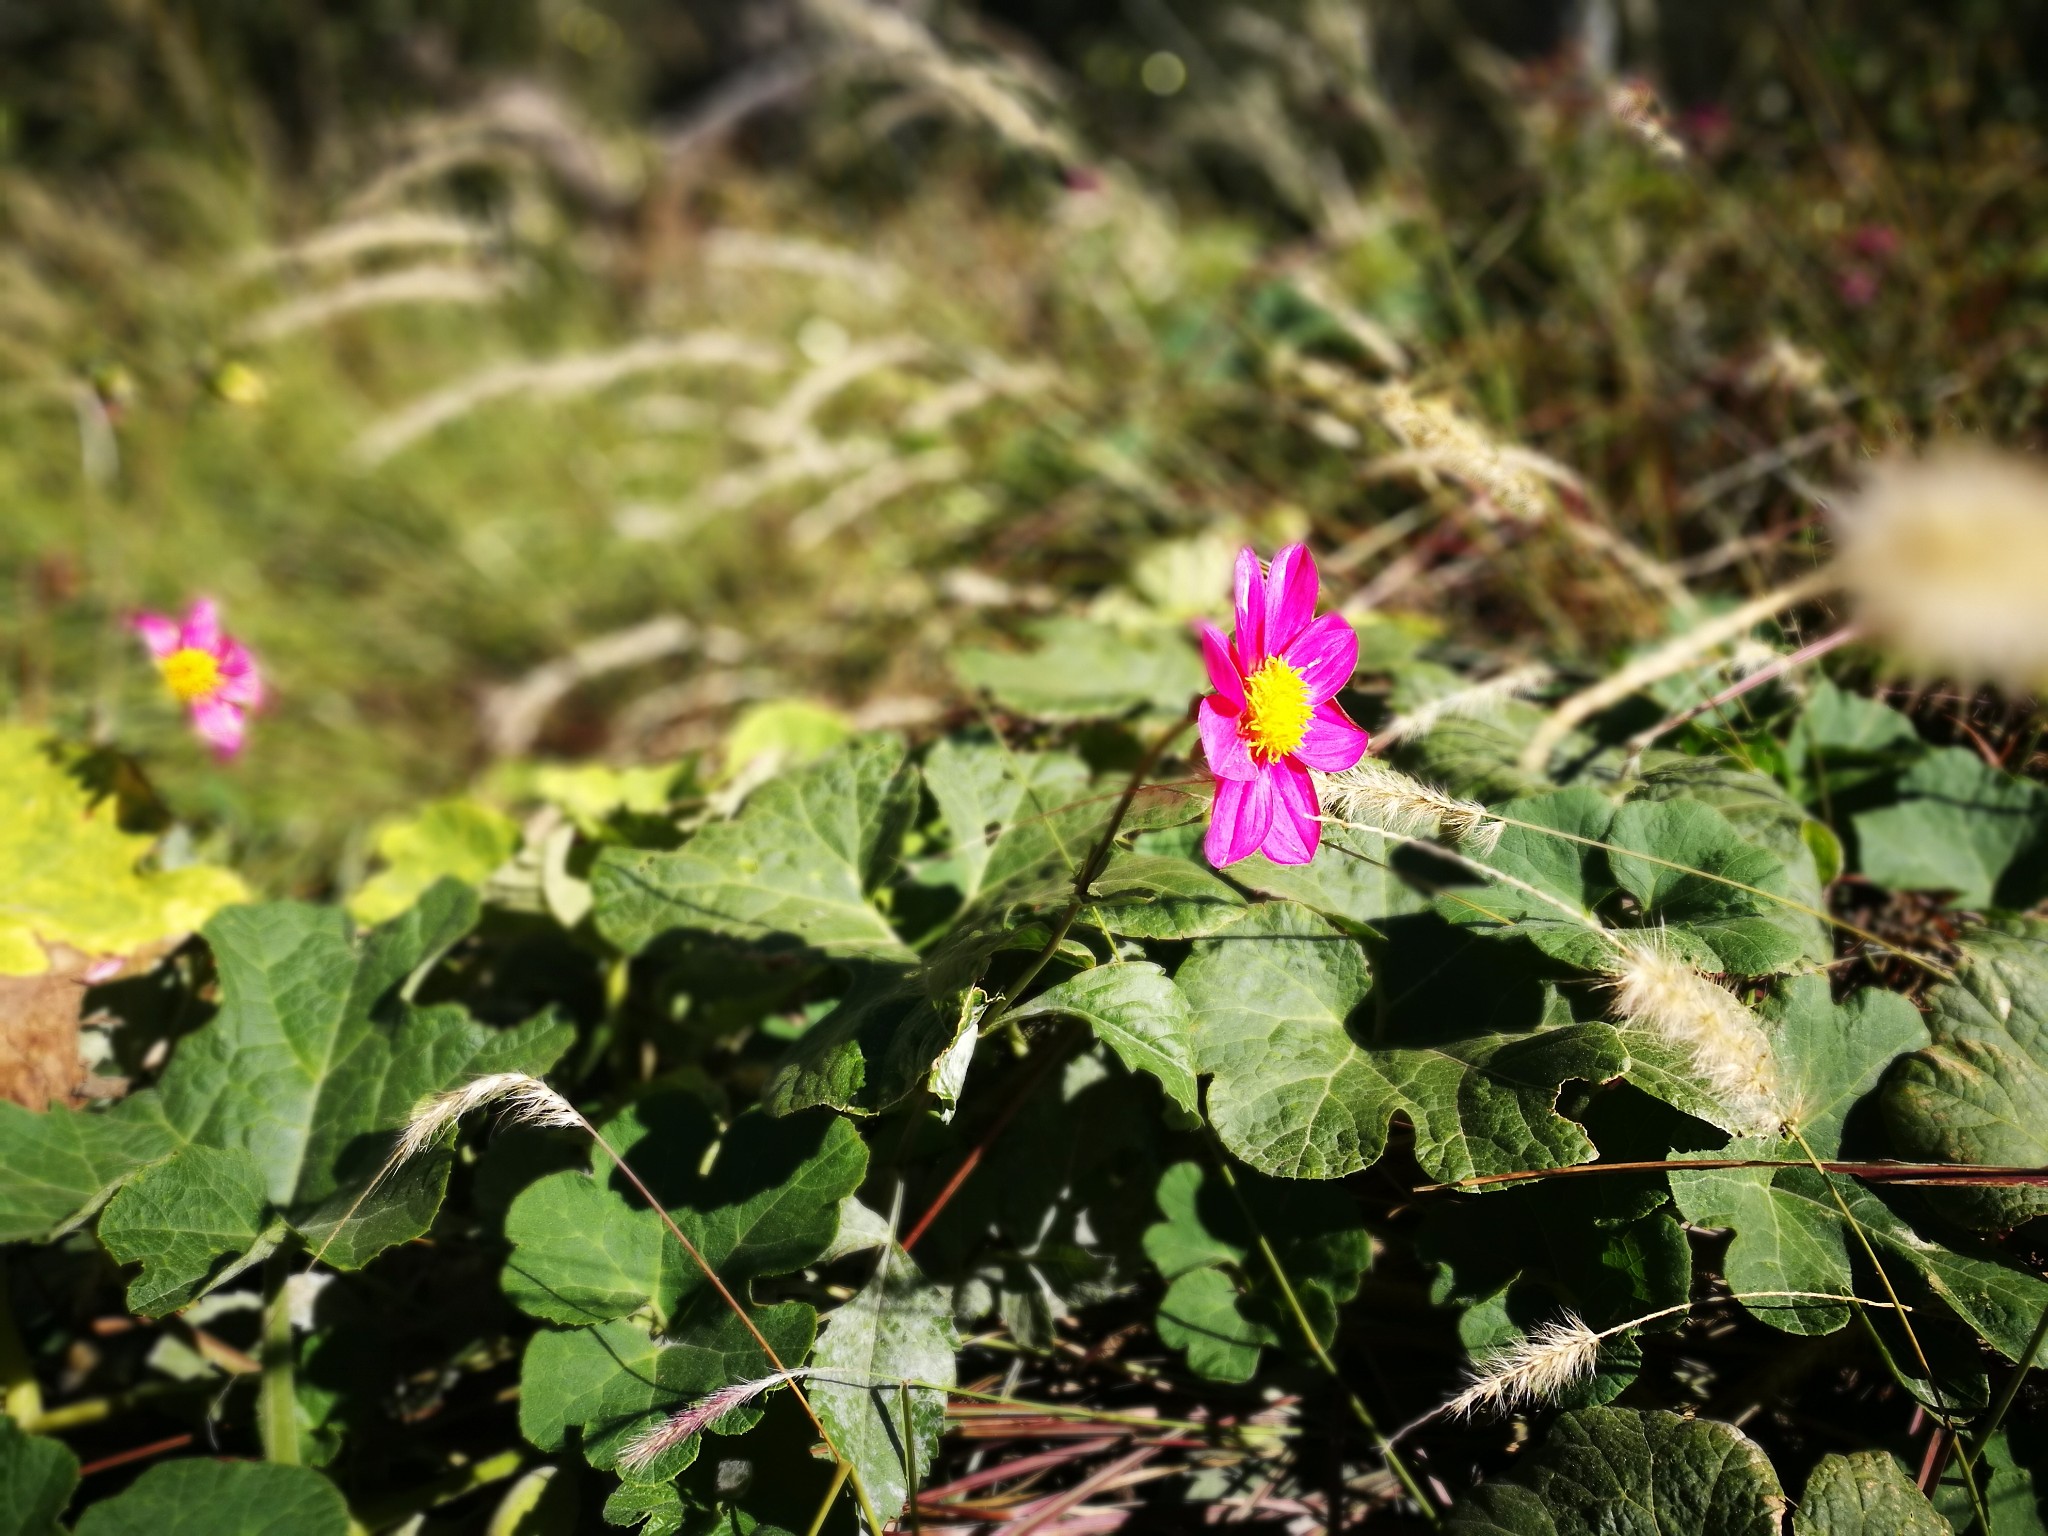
[
  {"x": 211, "y": 675},
  {"x": 1274, "y": 714}
]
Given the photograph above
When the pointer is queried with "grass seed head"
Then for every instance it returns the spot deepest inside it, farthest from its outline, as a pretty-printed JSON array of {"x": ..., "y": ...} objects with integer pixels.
[
  {"x": 1946, "y": 558},
  {"x": 522, "y": 1100},
  {"x": 1655, "y": 989},
  {"x": 1534, "y": 1369},
  {"x": 1383, "y": 799}
]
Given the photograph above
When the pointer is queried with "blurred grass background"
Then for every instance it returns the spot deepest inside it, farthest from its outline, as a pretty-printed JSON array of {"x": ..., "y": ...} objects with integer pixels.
[{"x": 778, "y": 349}]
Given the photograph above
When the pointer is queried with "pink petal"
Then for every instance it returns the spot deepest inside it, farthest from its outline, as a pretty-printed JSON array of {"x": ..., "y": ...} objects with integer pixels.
[
  {"x": 202, "y": 626},
  {"x": 159, "y": 634},
  {"x": 1229, "y": 754},
  {"x": 1290, "y": 596},
  {"x": 219, "y": 724},
  {"x": 1242, "y": 816},
  {"x": 1223, "y": 674},
  {"x": 1251, "y": 612},
  {"x": 1331, "y": 743},
  {"x": 1325, "y": 654},
  {"x": 239, "y": 682},
  {"x": 1297, "y": 827}
]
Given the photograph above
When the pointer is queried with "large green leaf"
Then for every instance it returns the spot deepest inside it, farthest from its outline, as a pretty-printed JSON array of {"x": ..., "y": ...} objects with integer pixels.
[
  {"x": 37, "y": 1475},
  {"x": 872, "y": 1051},
  {"x": 1307, "y": 1077},
  {"x": 1555, "y": 883},
  {"x": 1867, "y": 1494},
  {"x": 293, "y": 1090},
  {"x": 74, "y": 878},
  {"x": 1351, "y": 879},
  {"x": 617, "y": 1379},
  {"x": 1624, "y": 1472},
  {"x": 201, "y": 1497},
  {"x": 801, "y": 862},
  {"x": 1135, "y": 1009},
  {"x": 1010, "y": 814},
  {"x": 55, "y": 1165},
  {"x": 1979, "y": 1094},
  {"x": 1708, "y": 905},
  {"x": 1082, "y": 670},
  {"x": 585, "y": 1247},
  {"x": 1789, "y": 1231},
  {"x": 1156, "y": 896},
  {"x": 898, "y": 1328},
  {"x": 179, "y": 1218},
  {"x": 1959, "y": 826},
  {"x": 1686, "y": 870},
  {"x": 1222, "y": 1303}
]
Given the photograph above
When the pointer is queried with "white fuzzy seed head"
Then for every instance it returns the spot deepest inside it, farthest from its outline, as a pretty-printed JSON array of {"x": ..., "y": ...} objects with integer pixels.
[
  {"x": 1383, "y": 799},
  {"x": 1478, "y": 702},
  {"x": 522, "y": 1100},
  {"x": 1656, "y": 990},
  {"x": 1534, "y": 1369},
  {"x": 647, "y": 1447},
  {"x": 1946, "y": 559}
]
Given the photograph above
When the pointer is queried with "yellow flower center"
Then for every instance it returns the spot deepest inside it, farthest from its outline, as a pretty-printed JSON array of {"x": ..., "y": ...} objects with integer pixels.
[
  {"x": 190, "y": 673},
  {"x": 1276, "y": 710}
]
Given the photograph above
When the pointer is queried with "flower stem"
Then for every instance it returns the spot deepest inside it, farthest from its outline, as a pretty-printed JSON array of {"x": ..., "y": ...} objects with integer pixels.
[
  {"x": 277, "y": 1401},
  {"x": 1395, "y": 1462}
]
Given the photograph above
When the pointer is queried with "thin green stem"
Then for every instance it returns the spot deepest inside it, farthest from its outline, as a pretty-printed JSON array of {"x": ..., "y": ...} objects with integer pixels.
[
  {"x": 1963, "y": 1457},
  {"x": 1086, "y": 875},
  {"x": 831, "y": 1495},
  {"x": 2011, "y": 1390},
  {"x": 1386, "y": 1447},
  {"x": 277, "y": 1401}
]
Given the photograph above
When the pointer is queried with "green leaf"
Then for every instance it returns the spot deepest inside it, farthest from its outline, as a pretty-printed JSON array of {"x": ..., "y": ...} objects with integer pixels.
[
  {"x": 616, "y": 1379},
  {"x": 1979, "y": 1094},
  {"x": 37, "y": 1475},
  {"x": 1083, "y": 671},
  {"x": 297, "y": 1083},
  {"x": 794, "y": 732},
  {"x": 1959, "y": 826},
  {"x": 1135, "y": 1009},
  {"x": 1866, "y": 1494},
  {"x": 1350, "y": 879},
  {"x": 1010, "y": 814},
  {"x": 200, "y": 1497},
  {"x": 1306, "y": 1078},
  {"x": 1155, "y": 896},
  {"x": 73, "y": 877},
  {"x": 872, "y": 1051},
  {"x": 800, "y": 862},
  {"x": 1625, "y": 1472},
  {"x": 585, "y": 1247},
  {"x": 1222, "y": 1304},
  {"x": 179, "y": 1218},
  {"x": 899, "y": 1327},
  {"x": 62, "y": 1162},
  {"x": 2014, "y": 1487},
  {"x": 656, "y": 1508},
  {"x": 1789, "y": 1232},
  {"x": 447, "y": 839},
  {"x": 1570, "y": 879},
  {"x": 1713, "y": 923}
]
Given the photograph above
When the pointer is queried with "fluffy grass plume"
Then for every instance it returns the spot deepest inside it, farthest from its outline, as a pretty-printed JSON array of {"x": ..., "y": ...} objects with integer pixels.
[
  {"x": 1534, "y": 1369},
  {"x": 520, "y": 1099},
  {"x": 648, "y": 1447},
  {"x": 1656, "y": 990},
  {"x": 1945, "y": 559},
  {"x": 1383, "y": 799}
]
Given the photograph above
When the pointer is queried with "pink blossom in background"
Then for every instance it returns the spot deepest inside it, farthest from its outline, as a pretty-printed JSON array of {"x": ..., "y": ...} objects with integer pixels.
[
  {"x": 213, "y": 676},
  {"x": 1274, "y": 715}
]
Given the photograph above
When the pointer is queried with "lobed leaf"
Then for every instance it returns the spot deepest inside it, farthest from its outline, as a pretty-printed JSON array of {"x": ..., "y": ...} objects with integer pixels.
[{"x": 800, "y": 863}]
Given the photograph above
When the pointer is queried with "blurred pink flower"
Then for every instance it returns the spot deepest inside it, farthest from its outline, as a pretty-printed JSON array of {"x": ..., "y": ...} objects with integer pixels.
[
  {"x": 1274, "y": 715},
  {"x": 1858, "y": 285},
  {"x": 212, "y": 675}
]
